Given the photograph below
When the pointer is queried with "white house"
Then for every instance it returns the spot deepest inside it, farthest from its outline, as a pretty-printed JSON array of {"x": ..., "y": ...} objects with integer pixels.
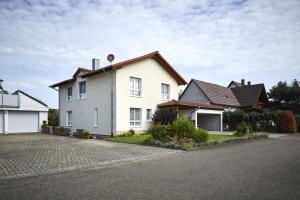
[
  {"x": 21, "y": 113},
  {"x": 116, "y": 98}
]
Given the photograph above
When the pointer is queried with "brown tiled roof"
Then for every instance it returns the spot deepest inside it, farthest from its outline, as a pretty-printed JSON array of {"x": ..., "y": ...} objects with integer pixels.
[
  {"x": 80, "y": 69},
  {"x": 236, "y": 83},
  {"x": 217, "y": 94},
  {"x": 154, "y": 55},
  {"x": 248, "y": 95},
  {"x": 190, "y": 104}
]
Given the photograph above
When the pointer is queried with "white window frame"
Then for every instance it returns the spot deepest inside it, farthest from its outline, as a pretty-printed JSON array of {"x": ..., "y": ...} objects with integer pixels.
[
  {"x": 149, "y": 113},
  {"x": 135, "y": 122},
  {"x": 69, "y": 98},
  {"x": 81, "y": 95},
  {"x": 165, "y": 96},
  {"x": 135, "y": 85},
  {"x": 69, "y": 117},
  {"x": 96, "y": 118}
]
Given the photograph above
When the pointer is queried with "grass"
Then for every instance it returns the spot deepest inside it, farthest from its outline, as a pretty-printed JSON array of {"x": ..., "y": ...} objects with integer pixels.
[
  {"x": 140, "y": 139},
  {"x": 136, "y": 139},
  {"x": 219, "y": 137}
]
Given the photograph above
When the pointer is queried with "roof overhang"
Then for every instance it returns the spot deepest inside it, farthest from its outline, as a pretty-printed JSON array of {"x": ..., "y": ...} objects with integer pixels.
[
  {"x": 187, "y": 104},
  {"x": 154, "y": 55}
]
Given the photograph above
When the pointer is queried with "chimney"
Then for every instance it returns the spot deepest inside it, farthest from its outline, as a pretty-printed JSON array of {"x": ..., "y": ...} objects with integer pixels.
[
  {"x": 243, "y": 81},
  {"x": 249, "y": 83},
  {"x": 95, "y": 63}
]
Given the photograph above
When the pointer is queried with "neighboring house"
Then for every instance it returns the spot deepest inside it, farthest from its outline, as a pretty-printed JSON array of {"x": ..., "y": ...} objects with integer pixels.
[
  {"x": 236, "y": 95},
  {"x": 21, "y": 113},
  {"x": 119, "y": 97}
]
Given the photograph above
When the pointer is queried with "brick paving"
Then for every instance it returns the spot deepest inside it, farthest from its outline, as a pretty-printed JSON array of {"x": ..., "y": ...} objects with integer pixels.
[{"x": 32, "y": 154}]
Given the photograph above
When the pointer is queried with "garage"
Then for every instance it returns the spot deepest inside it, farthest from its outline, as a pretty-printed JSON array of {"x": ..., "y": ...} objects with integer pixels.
[
  {"x": 210, "y": 122},
  {"x": 23, "y": 122}
]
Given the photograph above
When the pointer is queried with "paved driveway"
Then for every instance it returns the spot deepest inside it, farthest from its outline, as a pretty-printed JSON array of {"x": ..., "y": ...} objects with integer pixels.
[{"x": 33, "y": 154}]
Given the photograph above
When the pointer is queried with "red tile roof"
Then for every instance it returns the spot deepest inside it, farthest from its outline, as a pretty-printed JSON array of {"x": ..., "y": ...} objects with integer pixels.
[
  {"x": 154, "y": 55},
  {"x": 80, "y": 69},
  {"x": 190, "y": 104}
]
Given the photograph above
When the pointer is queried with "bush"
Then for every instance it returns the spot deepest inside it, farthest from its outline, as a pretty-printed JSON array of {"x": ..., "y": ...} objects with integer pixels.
[
  {"x": 288, "y": 123},
  {"x": 164, "y": 116},
  {"x": 44, "y": 125},
  {"x": 199, "y": 135},
  {"x": 298, "y": 122},
  {"x": 182, "y": 128},
  {"x": 86, "y": 134},
  {"x": 242, "y": 129},
  {"x": 132, "y": 132},
  {"x": 61, "y": 129},
  {"x": 161, "y": 132},
  {"x": 129, "y": 133}
]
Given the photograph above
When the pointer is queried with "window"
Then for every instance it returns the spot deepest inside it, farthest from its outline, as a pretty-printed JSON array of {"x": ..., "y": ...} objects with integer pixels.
[
  {"x": 165, "y": 91},
  {"x": 149, "y": 115},
  {"x": 135, "y": 87},
  {"x": 96, "y": 118},
  {"x": 70, "y": 94},
  {"x": 69, "y": 118},
  {"x": 82, "y": 90},
  {"x": 135, "y": 117}
]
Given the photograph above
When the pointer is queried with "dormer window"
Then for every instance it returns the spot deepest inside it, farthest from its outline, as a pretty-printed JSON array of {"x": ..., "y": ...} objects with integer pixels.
[
  {"x": 82, "y": 90},
  {"x": 69, "y": 94}
]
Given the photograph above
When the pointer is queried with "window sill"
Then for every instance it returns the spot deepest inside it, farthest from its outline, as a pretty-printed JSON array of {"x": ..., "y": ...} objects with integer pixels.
[{"x": 135, "y": 96}]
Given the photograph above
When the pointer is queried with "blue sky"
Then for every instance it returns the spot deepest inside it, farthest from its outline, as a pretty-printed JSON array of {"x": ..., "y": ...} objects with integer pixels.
[{"x": 42, "y": 42}]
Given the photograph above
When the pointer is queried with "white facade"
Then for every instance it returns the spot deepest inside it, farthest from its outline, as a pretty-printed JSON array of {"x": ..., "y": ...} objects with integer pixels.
[
  {"x": 24, "y": 115},
  {"x": 137, "y": 89}
]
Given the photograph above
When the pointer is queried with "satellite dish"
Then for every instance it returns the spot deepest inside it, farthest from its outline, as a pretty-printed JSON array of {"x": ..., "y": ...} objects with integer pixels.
[{"x": 110, "y": 57}]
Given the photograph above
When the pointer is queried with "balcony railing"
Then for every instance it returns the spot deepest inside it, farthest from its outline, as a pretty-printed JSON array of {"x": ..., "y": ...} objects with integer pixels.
[{"x": 9, "y": 101}]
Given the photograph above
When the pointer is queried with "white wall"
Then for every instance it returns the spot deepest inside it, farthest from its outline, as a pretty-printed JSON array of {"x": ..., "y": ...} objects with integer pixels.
[
  {"x": 97, "y": 96},
  {"x": 152, "y": 75},
  {"x": 1, "y": 122},
  {"x": 42, "y": 116}
]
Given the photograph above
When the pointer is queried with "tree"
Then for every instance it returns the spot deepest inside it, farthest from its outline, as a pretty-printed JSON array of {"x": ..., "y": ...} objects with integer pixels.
[
  {"x": 284, "y": 96},
  {"x": 53, "y": 117}
]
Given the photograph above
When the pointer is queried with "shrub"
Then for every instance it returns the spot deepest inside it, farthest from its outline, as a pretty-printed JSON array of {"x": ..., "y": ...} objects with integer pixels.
[
  {"x": 181, "y": 128},
  {"x": 132, "y": 132},
  {"x": 161, "y": 132},
  {"x": 199, "y": 135},
  {"x": 86, "y": 134},
  {"x": 44, "y": 125},
  {"x": 242, "y": 129},
  {"x": 288, "y": 123},
  {"x": 129, "y": 133},
  {"x": 61, "y": 129},
  {"x": 298, "y": 122},
  {"x": 164, "y": 116}
]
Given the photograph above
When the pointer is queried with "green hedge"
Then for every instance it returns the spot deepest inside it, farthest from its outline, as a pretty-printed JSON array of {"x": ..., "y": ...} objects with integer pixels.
[{"x": 269, "y": 121}]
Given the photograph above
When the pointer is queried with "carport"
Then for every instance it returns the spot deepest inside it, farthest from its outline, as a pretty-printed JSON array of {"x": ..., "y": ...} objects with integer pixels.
[{"x": 204, "y": 115}]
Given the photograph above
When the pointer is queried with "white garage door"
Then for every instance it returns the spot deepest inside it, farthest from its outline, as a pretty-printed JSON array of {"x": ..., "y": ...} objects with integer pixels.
[
  {"x": 23, "y": 122},
  {"x": 1, "y": 122}
]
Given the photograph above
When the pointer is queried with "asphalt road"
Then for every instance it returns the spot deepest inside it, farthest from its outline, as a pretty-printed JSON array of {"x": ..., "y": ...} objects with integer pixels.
[{"x": 266, "y": 169}]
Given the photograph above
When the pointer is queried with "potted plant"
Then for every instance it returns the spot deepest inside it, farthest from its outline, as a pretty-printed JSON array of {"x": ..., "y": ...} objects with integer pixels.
[
  {"x": 61, "y": 130},
  {"x": 44, "y": 126},
  {"x": 86, "y": 135}
]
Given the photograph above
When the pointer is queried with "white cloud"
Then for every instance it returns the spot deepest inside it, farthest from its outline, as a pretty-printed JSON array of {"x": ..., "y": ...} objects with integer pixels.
[{"x": 210, "y": 40}]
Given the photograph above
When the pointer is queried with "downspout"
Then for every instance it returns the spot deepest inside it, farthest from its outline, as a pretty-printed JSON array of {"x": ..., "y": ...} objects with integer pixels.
[{"x": 111, "y": 103}]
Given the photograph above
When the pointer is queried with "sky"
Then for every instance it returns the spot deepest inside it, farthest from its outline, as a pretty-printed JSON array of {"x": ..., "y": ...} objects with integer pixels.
[{"x": 43, "y": 42}]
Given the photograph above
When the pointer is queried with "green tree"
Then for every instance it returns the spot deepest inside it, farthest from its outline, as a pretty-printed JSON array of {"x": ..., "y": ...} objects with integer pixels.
[
  {"x": 53, "y": 117},
  {"x": 285, "y": 96}
]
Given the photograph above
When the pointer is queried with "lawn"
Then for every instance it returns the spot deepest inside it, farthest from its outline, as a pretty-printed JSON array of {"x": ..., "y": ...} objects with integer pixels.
[
  {"x": 136, "y": 139},
  {"x": 219, "y": 137},
  {"x": 139, "y": 139}
]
